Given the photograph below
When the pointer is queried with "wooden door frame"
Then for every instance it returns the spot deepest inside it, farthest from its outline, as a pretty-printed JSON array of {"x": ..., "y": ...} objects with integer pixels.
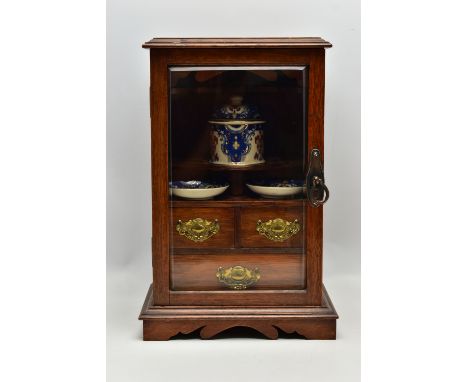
[{"x": 161, "y": 59}]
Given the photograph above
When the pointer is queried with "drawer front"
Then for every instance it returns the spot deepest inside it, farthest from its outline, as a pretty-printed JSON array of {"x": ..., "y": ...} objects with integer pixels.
[
  {"x": 271, "y": 227},
  {"x": 203, "y": 228},
  {"x": 237, "y": 272}
]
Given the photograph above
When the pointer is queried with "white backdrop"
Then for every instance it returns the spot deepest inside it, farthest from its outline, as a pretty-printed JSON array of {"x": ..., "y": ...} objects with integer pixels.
[
  {"x": 129, "y": 24},
  {"x": 53, "y": 190}
]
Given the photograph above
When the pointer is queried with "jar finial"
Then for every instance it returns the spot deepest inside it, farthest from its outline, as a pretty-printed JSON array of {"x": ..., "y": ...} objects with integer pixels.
[{"x": 236, "y": 100}]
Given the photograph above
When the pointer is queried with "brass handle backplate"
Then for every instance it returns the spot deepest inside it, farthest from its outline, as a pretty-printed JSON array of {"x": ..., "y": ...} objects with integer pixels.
[
  {"x": 278, "y": 229},
  {"x": 198, "y": 229},
  {"x": 238, "y": 277}
]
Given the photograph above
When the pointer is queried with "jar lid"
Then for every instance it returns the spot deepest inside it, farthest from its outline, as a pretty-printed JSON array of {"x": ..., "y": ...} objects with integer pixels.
[{"x": 237, "y": 110}]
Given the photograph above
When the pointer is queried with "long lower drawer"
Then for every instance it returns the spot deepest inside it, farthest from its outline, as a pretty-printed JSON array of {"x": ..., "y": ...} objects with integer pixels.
[{"x": 237, "y": 272}]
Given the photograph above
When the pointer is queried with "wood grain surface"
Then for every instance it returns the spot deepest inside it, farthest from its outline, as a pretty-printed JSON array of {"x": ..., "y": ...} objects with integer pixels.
[
  {"x": 198, "y": 272},
  {"x": 236, "y": 42},
  {"x": 312, "y": 322}
]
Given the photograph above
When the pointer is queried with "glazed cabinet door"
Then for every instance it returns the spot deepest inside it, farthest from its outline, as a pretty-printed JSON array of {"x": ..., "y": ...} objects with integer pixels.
[{"x": 231, "y": 221}]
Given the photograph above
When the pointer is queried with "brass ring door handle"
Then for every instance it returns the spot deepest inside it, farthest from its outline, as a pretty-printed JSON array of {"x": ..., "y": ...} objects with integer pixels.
[
  {"x": 198, "y": 229},
  {"x": 238, "y": 277},
  {"x": 318, "y": 187},
  {"x": 317, "y": 191},
  {"x": 278, "y": 229}
]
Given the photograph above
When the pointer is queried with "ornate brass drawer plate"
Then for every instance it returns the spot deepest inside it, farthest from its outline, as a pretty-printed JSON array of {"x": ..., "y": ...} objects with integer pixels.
[
  {"x": 198, "y": 229},
  {"x": 238, "y": 277},
  {"x": 278, "y": 229}
]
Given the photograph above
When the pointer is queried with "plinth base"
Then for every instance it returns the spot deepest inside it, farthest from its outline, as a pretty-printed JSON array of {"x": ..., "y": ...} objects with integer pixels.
[{"x": 313, "y": 322}]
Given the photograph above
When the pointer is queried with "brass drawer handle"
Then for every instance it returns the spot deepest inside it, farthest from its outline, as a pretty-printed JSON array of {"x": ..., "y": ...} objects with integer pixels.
[
  {"x": 198, "y": 229},
  {"x": 238, "y": 277},
  {"x": 278, "y": 229}
]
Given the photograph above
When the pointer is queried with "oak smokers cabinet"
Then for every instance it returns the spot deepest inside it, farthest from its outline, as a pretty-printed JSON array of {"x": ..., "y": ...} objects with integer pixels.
[{"x": 237, "y": 115}]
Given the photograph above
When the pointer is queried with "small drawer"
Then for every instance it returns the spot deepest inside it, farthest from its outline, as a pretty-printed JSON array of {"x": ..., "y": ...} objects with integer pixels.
[
  {"x": 203, "y": 228},
  {"x": 237, "y": 272},
  {"x": 271, "y": 227}
]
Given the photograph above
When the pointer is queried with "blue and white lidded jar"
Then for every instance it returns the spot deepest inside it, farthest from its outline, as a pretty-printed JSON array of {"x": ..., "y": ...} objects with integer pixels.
[{"x": 236, "y": 134}]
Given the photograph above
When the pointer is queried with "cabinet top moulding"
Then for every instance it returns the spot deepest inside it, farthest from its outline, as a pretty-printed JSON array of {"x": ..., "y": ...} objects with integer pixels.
[{"x": 235, "y": 42}]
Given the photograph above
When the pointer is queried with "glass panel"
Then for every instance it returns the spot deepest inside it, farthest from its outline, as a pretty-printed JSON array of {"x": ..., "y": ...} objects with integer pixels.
[{"x": 237, "y": 138}]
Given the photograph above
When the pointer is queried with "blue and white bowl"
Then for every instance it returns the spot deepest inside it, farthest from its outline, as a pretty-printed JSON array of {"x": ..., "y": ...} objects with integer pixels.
[
  {"x": 197, "y": 189},
  {"x": 273, "y": 188}
]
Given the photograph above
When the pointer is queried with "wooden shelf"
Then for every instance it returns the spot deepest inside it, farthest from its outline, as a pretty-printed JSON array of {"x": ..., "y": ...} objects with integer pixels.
[
  {"x": 179, "y": 90},
  {"x": 272, "y": 164},
  {"x": 237, "y": 201}
]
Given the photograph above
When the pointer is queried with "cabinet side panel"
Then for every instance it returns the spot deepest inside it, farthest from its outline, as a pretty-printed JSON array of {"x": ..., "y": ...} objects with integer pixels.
[
  {"x": 314, "y": 220},
  {"x": 159, "y": 171}
]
